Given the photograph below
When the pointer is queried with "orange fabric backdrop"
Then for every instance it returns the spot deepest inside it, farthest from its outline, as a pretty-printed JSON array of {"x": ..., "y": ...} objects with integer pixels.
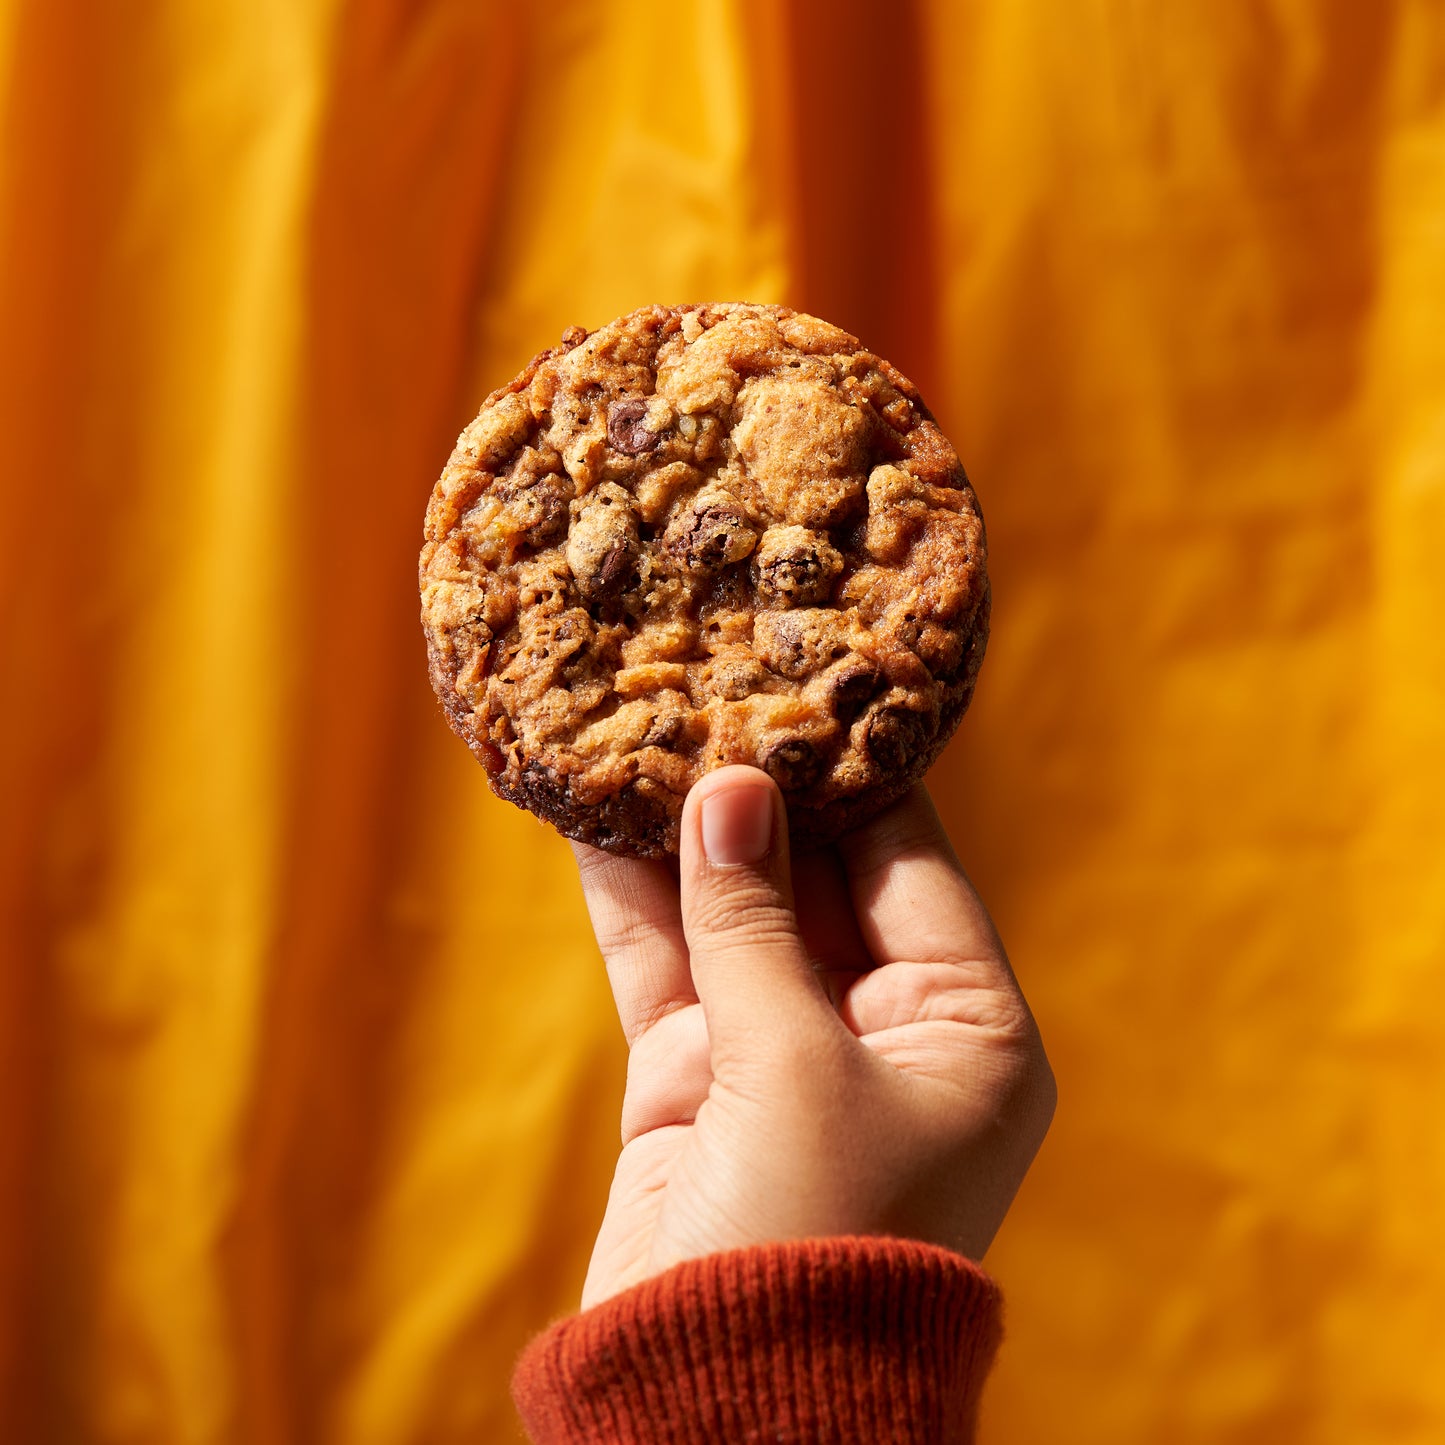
[{"x": 308, "y": 1074}]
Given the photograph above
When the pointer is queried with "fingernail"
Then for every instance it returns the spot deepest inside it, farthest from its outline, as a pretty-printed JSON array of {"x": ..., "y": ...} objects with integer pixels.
[{"x": 737, "y": 824}]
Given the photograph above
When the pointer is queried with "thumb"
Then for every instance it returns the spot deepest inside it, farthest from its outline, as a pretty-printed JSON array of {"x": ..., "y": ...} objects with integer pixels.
[{"x": 749, "y": 966}]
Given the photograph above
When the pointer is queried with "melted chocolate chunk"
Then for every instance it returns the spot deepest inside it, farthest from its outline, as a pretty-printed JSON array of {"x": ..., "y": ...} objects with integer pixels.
[
  {"x": 627, "y": 427},
  {"x": 616, "y": 566},
  {"x": 894, "y": 735},
  {"x": 852, "y": 688},
  {"x": 709, "y": 534},
  {"x": 664, "y": 732},
  {"x": 794, "y": 764},
  {"x": 603, "y": 541}
]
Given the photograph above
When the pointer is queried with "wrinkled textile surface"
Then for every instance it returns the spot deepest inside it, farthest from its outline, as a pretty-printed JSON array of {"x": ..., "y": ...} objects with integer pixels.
[{"x": 308, "y": 1076}]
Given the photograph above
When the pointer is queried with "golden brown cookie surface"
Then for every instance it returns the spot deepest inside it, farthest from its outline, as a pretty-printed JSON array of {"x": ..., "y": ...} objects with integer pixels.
[{"x": 703, "y": 535}]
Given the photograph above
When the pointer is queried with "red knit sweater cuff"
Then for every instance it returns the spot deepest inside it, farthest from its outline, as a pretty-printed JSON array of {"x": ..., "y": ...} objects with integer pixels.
[{"x": 882, "y": 1340}]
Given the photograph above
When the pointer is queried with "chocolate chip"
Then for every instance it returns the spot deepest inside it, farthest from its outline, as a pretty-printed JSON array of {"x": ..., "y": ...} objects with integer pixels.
[
  {"x": 852, "y": 687},
  {"x": 627, "y": 427},
  {"x": 602, "y": 543},
  {"x": 664, "y": 731},
  {"x": 616, "y": 565},
  {"x": 794, "y": 764},
  {"x": 710, "y": 533},
  {"x": 895, "y": 736}
]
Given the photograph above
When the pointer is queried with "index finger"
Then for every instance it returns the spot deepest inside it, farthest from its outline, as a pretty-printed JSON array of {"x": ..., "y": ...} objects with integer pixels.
[
  {"x": 914, "y": 901},
  {"x": 637, "y": 917}
]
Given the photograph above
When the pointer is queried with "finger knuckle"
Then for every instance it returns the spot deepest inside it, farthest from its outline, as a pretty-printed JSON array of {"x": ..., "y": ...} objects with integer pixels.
[
  {"x": 625, "y": 936},
  {"x": 1002, "y": 1013},
  {"x": 754, "y": 912}
]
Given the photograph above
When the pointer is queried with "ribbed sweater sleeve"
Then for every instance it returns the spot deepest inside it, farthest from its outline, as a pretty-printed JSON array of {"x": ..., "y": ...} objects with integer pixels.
[{"x": 840, "y": 1340}]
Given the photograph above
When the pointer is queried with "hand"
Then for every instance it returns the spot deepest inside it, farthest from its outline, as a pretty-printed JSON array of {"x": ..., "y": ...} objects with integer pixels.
[{"x": 860, "y": 1063}]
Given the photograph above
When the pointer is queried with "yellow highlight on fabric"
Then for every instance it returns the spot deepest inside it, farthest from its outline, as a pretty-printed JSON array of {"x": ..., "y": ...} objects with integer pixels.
[{"x": 308, "y": 1073}]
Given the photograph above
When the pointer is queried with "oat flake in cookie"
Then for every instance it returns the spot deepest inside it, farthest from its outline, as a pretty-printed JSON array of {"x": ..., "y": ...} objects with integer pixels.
[{"x": 703, "y": 535}]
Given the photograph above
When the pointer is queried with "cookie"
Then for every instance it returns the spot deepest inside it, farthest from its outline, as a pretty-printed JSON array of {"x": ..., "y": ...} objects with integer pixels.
[{"x": 703, "y": 535}]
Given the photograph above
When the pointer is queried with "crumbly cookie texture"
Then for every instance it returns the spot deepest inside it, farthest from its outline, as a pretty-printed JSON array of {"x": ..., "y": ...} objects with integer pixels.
[{"x": 703, "y": 535}]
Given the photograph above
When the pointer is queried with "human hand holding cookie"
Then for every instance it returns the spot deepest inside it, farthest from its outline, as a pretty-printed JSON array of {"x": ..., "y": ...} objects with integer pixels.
[
  {"x": 710, "y": 582},
  {"x": 831, "y": 1046}
]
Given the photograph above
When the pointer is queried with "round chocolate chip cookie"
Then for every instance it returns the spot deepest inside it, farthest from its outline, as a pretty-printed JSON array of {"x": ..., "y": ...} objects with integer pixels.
[{"x": 703, "y": 535}]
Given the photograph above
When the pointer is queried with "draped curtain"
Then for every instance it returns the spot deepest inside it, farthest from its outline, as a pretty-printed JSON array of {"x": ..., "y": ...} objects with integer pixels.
[{"x": 309, "y": 1079}]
